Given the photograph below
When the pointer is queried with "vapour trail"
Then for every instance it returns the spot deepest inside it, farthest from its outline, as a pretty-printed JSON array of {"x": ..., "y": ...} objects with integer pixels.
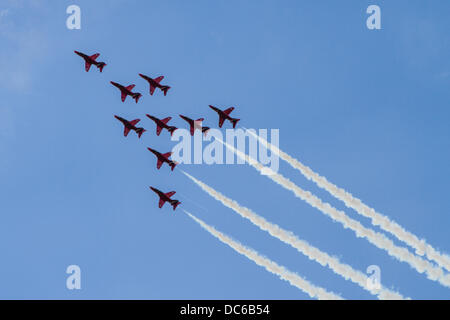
[
  {"x": 284, "y": 274},
  {"x": 420, "y": 245},
  {"x": 324, "y": 259},
  {"x": 376, "y": 238}
]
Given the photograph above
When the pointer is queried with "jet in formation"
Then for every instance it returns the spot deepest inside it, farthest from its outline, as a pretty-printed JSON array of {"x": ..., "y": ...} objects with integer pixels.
[
  {"x": 225, "y": 115},
  {"x": 165, "y": 197},
  {"x": 126, "y": 91},
  {"x": 130, "y": 125},
  {"x": 162, "y": 124},
  {"x": 155, "y": 83},
  {"x": 195, "y": 124},
  {"x": 163, "y": 157},
  {"x": 91, "y": 60}
]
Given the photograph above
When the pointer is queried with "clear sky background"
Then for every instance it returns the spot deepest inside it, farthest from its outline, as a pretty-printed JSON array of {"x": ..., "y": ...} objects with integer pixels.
[{"x": 368, "y": 109}]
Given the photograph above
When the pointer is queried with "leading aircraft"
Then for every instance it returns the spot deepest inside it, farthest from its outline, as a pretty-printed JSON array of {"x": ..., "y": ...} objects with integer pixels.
[
  {"x": 130, "y": 125},
  {"x": 162, "y": 124},
  {"x": 163, "y": 197},
  {"x": 126, "y": 91},
  {"x": 195, "y": 124},
  {"x": 154, "y": 83},
  {"x": 91, "y": 60},
  {"x": 225, "y": 115},
  {"x": 163, "y": 157}
]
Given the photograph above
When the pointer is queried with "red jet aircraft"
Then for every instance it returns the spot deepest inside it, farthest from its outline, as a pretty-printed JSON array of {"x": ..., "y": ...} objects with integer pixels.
[
  {"x": 163, "y": 158},
  {"x": 90, "y": 60},
  {"x": 195, "y": 124},
  {"x": 126, "y": 91},
  {"x": 130, "y": 125},
  {"x": 162, "y": 124},
  {"x": 225, "y": 115},
  {"x": 154, "y": 83},
  {"x": 163, "y": 197}
]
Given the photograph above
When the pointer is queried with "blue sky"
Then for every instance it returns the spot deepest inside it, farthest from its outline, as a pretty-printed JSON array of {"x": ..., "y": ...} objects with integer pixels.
[{"x": 368, "y": 109}]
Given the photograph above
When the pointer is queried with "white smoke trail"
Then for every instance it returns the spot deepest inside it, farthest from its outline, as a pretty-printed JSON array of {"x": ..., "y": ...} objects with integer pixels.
[
  {"x": 377, "y": 219},
  {"x": 344, "y": 270},
  {"x": 284, "y": 274},
  {"x": 376, "y": 238}
]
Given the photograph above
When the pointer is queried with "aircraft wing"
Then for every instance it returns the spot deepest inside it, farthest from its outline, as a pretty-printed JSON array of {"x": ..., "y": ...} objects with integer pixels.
[
  {"x": 135, "y": 122},
  {"x": 192, "y": 130},
  {"x": 152, "y": 89},
  {"x": 130, "y": 87},
  {"x": 87, "y": 66},
  {"x": 94, "y": 56},
  {"x": 158, "y": 130},
  {"x": 159, "y": 164},
  {"x": 123, "y": 96},
  {"x": 126, "y": 131},
  {"x": 165, "y": 120},
  {"x": 171, "y": 193},
  {"x": 167, "y": 155},
  {"x": 158, "y": 80},
  {"x": 221, "y": 120},
  {"x": 161, "y": 203},
  {"x": 228, "y": 111}
]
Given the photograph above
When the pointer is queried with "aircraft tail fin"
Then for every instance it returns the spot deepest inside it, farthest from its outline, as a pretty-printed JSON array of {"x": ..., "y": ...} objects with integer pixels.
[
  {"x": 173, "y": 165},
  {"x": 205, "y": 130},
  {"x": 172, "y": 130},
  {"x": 165, "y": 89},
  {"x": 175, "y": 203},
  {"x": 101, "y": 66},
  {"x": 137, "y": 96},
  {"x": 234, "y": 121},
  {"x": 140, "y": 131}
]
